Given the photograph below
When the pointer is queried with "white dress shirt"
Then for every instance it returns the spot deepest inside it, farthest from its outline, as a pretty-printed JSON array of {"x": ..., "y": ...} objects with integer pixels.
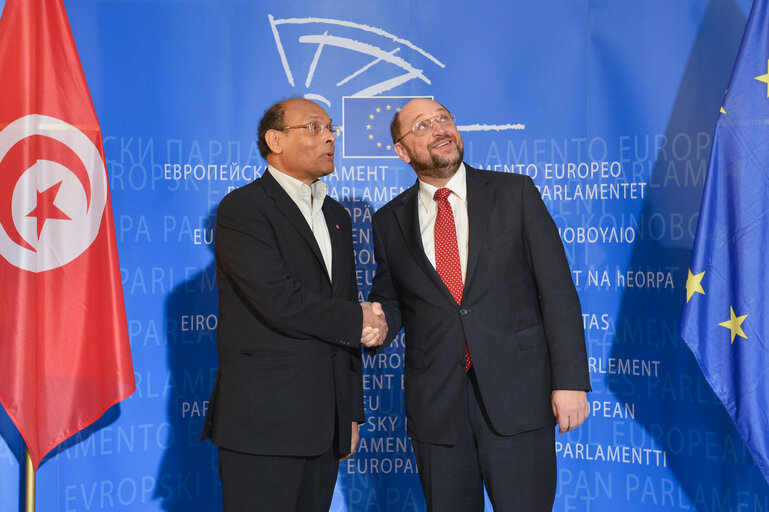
[
  {"x": 309, "y": 199},
  {"x": 428, "y": 210}
]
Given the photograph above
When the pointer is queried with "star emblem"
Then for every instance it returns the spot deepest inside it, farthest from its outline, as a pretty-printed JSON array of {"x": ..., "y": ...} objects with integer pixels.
[
  {"x": 694, "y": 284},
  {"x": 765, "y": 78},
  {"x": 734, "y": 324},
  {"x": 722, "y": 107},
  {"x": 45, "y": 209}
]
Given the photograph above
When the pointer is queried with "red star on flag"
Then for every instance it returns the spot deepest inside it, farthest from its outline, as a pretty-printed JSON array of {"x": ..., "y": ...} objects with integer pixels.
[{"x": 45, "y": 208}]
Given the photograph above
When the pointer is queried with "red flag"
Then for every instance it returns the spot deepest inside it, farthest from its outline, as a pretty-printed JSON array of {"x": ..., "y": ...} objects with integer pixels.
[{"x": 64, "y": 351}]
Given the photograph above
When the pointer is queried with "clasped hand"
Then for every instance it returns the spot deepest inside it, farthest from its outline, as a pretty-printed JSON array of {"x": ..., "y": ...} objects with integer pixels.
[{"x": 374, "y": 325}]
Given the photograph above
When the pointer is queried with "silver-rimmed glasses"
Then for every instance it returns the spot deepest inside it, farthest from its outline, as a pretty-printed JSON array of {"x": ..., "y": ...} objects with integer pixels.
[
  {"x": 425, "y": 126},
  {"x": 315, "y": 128}
]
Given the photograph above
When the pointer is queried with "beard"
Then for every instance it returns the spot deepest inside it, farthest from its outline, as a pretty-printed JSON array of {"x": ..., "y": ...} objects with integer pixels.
[{"x": 437, "y": 166}]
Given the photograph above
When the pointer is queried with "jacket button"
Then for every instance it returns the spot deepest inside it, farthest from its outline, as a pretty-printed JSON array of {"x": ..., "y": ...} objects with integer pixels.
[{"x": 464, "y": 311}]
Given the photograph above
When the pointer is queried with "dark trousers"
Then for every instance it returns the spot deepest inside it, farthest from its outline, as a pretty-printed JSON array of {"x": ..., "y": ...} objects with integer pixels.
[
  {"x": 263, "y": 483},
  {"x": 519, "y": 471}
]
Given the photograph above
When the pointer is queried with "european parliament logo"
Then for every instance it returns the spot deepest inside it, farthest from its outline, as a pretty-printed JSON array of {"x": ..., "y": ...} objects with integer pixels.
[
  {"x": 360, "y": 63},
  {"x": 329, "y": 57},
  {"x": 366, "y": 124}
]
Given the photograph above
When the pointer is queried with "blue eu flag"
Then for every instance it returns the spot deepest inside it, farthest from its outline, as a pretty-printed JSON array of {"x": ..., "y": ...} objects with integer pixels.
[
  {"x": 726, "y": 317},
  {"x": 367, "y": 125}
]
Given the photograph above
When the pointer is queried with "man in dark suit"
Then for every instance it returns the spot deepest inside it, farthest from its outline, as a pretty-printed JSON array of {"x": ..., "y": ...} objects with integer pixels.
[
  {"x": 288, "y": 396},
  {"x": 470, "y": 262}
]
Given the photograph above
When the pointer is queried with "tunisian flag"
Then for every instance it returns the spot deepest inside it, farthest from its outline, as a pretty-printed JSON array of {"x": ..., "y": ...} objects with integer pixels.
[{"x": 64, "y": 351}]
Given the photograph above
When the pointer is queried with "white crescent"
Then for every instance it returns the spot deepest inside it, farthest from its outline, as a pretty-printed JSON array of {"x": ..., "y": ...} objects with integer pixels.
[{"x": 60, "y": 242}]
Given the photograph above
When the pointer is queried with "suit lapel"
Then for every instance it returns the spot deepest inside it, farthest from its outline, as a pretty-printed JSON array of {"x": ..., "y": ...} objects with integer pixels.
[
  {"x": 407, "y": 215},
  {"x": 285, "y": 205},
  {"x": 337, "y": 246},
  {"x": 480, "y": 201}
]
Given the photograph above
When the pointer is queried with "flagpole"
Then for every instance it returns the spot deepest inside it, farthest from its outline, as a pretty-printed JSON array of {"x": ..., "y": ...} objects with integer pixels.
[{"x": 30, "y": 486}]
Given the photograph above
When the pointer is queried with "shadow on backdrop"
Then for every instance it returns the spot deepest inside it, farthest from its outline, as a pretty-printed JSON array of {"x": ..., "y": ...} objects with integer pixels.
[
  {"x": 188, "y": 478},
  {"x": 677, "y": 410}
]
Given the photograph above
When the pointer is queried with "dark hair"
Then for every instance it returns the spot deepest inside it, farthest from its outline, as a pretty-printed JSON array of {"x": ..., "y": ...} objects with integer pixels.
[
  {"x": 271, "y": 120},
  {"x": 395, "y": 127}
]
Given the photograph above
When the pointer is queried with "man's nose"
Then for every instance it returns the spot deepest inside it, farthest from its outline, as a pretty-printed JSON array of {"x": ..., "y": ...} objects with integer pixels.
[{"x": 438, "y": 128}]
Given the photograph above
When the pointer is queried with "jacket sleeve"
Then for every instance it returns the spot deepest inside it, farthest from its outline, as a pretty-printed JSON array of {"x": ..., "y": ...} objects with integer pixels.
[
  {"x": 356, "y": 367},
  {"x": 559, "y": 302},
  {"x": 356, "y": 385},
  {"x": 383, "y": 289}
]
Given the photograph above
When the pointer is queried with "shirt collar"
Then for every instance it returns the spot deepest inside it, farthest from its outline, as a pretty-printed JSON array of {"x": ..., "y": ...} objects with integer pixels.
[
  {"x": 297, "y": 190},
  {"x": 457, "y": 184}
]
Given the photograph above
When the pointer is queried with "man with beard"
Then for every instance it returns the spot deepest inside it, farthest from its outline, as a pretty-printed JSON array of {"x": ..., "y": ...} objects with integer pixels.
[{"x": 470, "y": 262}]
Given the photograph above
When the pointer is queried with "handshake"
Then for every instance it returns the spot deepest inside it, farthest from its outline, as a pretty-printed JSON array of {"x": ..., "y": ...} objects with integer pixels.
[{"x": 374, "y": 325}]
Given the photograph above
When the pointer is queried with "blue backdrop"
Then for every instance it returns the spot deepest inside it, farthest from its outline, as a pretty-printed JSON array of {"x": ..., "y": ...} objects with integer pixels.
[{"x": 609, "y": 105}]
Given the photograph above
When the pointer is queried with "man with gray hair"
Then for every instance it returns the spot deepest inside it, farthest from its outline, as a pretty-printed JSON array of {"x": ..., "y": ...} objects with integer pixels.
[{"x": 470, "y": 262}]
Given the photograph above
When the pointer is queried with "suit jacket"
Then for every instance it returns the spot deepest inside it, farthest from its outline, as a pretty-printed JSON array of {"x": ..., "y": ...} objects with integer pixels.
[
  {"x": 288, "y": 337},
  {"x": 520, "y": 314}
]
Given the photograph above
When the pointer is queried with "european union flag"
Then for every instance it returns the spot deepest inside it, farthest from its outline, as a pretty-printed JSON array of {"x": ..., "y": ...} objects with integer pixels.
[
  {"x": 366, "y": 124},
  {"x": 726, "y": 317}
]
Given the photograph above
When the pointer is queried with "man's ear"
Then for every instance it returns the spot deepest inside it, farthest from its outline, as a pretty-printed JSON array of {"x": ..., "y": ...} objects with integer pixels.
[
  {"x": 273, "y": 138},
  {"x": 401, "y": 151}
]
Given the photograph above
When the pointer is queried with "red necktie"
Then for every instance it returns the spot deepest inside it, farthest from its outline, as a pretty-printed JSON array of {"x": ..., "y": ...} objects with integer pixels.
[{"x": 447, "y": 253}]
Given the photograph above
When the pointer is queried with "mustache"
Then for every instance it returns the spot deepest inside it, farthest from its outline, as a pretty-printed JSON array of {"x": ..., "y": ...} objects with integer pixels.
[{"x": 445, "y": 138}]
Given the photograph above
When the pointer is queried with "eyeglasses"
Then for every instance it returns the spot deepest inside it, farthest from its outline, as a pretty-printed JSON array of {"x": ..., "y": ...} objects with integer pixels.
[
  {"x": 425, "y": 126},
  {"x": 315, "y": 128}
]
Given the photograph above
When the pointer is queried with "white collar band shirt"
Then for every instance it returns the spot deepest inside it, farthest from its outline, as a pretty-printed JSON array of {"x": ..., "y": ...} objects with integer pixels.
[{"x": 309, "y": 199}]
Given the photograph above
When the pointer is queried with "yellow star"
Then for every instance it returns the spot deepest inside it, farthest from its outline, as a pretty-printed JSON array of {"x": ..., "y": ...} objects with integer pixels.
[
  {"x": 371, "y": 116},
  {"x": 398, "y": 109},
  {"x": 368, "y": 126},
  {"x": 734, "y": 324},
  {"x": 370, "y": 137},
  {"x": 765, "y": 78},
  {"x": 694, "y": 284},
  {"x": 388, "y": 147},
  {"x": 388, "y": 107},
  {"x": 378, "y": 109},
  {"x": 722, "y": 108},
  {"x": 379, "y": 144}
]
